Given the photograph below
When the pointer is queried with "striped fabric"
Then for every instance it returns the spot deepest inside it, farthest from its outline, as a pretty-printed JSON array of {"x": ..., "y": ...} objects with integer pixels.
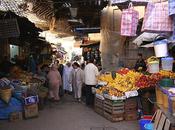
[
  {"x": 129, "y": 22},
  {"x": 171, "y": 4},
  {"x": 156, "y": 18}
]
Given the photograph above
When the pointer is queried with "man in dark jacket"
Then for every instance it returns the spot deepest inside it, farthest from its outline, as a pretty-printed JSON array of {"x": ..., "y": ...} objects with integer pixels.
[{"x": 140, "y": 64}]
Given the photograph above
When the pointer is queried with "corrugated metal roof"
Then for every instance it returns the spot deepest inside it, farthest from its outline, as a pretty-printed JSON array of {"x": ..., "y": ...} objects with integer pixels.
[{"x": 12, "y": 5}]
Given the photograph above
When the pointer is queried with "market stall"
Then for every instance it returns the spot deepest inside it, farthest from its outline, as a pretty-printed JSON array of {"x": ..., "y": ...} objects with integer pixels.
[
  {"x": 117, "y": 87},
  {"x": 21, "y": 96}
]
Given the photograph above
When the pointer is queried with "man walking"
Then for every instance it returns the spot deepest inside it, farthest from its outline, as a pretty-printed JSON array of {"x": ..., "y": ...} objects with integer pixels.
[{"x": 91, "y": 73}]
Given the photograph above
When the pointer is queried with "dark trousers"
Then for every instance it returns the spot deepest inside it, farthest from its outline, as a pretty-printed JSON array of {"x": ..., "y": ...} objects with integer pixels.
[{"x": 89, "y": 95}]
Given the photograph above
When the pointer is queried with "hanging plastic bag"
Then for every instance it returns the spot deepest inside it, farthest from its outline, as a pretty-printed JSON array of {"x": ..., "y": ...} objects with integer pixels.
[
  {"x": 171, "y": 4},
  {"x": 156, "y": 18},
  {"x": 129, "y": 21}
]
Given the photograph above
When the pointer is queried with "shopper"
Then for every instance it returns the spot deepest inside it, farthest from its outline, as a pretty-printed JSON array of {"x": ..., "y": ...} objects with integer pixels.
[
  {"x": 55, "y": 82},
  {"x": 77, "y": 80},
  {"x": 60, "y": 69},
  {"x": 32, "y": 67},
  {"x": 67, "y": 73},
  {"x": 140, "y": 64},
  {"x": 91, "y": 73}
]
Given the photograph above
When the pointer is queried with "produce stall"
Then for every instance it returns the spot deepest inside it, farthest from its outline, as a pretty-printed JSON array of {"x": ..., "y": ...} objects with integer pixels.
[
  {"x": 19, "y": 96},
  {"x": 119, "y": 94}
]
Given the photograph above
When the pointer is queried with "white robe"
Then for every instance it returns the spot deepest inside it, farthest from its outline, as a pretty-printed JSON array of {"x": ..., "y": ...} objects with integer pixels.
[{"x": 67, "y": 78}]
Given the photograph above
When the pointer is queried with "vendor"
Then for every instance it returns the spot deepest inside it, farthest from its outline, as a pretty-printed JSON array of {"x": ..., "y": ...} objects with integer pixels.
[{"x": 140, "y": 64}]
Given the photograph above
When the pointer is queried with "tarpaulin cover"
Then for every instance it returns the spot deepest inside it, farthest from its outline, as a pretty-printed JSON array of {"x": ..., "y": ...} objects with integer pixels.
[
  {"x": 13, "y": 106},
  {"x": 112, "y": 42}
]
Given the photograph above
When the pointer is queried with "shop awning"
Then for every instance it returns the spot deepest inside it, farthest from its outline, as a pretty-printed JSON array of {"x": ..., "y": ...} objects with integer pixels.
[{"x": 146, "y": 39}]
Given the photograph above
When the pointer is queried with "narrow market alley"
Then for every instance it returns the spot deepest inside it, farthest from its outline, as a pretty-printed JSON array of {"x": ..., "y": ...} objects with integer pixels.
[{"x": 67, "y": 115}]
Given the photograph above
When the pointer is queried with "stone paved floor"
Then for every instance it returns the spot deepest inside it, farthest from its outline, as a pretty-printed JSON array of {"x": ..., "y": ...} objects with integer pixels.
[{"x": 67, "y": 115}]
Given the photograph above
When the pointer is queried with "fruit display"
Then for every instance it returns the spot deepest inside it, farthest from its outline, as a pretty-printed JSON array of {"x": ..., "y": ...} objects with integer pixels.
[
  {"x": 123, "y": 71},
  {"x": 122, "y": 83},
  {"x": 110, "y": 91},
  {"x": 167, "y": 74},
  {"x": 148, "y": 80},
  {"x": 129, "y": 80}
]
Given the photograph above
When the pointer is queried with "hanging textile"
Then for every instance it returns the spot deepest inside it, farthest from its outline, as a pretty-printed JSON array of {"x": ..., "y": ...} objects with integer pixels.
[
  {"x": 129, "y": 22},
  {"x": 156, "y": 18}
]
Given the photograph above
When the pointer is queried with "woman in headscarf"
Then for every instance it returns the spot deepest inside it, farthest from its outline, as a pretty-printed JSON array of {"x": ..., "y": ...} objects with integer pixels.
[{"x": 55, "y": 82}]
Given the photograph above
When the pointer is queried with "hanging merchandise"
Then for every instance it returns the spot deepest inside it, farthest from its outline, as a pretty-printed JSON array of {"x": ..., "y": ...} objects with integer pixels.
[
  {"x": 161, "y": 48},
  {"x": 171, "y": 4},
  {"x": 156, "y": 18},
  {"x": 129, "y": 21}
]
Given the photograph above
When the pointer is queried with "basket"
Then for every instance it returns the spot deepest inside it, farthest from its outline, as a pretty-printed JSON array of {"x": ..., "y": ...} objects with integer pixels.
[
  {"x": 15, "y": 116},
  {"x": 6, "y": 94},
  {"x": 166, "y": 82},
  {"x": 172, "y": 105},
  {"x": 165, "y": 99},
  {"x": 31, "y": 111},
  {"x": 159, "y": 96}
]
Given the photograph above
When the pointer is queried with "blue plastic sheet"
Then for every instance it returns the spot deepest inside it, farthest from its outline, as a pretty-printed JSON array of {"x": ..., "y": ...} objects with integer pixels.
[{"x": 13, "y": 106}]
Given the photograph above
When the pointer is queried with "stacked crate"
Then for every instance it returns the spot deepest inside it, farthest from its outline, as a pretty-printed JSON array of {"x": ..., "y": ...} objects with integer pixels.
[
  {"x": 131, "y": 109},
  {"x": 114, "y": 110},
  {"x": 99, "y": 106}
]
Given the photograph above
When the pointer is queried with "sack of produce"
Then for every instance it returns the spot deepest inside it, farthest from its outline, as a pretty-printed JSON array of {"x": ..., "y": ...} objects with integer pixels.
[
  {"x": 6, "y": 94},
  {"x": 157, "y": 19},
  {"x": 129, "y": 22}
]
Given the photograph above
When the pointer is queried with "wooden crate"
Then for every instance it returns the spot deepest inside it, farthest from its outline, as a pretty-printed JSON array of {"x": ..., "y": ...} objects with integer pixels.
[
  {"x": 15, "y": 116},
  {"x": 99, "y": 103},
  {"x": 114, "y": 102},
  {"x": 131, "y": 116},
  {"x": 114, "y": 117},
  {"x": 31, "y": 111},
  {"x": 129, "y": 110},
  {"x": 114, "y": 107},
  {"x": 130, "y": 103},
  {"x": 99, "y": 110}
]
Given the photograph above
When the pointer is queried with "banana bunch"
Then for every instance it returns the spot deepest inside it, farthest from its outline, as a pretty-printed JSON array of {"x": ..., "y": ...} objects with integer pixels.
[
  {"x": 110, "y": 91},
  {"x": 106, "y": 78}
]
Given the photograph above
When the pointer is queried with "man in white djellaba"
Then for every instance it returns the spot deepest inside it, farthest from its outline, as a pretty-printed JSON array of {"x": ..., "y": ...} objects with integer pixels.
[{"x": 67, "y": 79}]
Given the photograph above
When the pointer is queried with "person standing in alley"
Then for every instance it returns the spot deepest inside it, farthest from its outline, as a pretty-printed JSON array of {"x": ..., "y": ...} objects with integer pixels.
[
  {"x": 55, "y": 82},
  {"x": 67, "y": 73},
  {"x": 77, "y": 80},
  {"x": 91, "y": 72}
]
